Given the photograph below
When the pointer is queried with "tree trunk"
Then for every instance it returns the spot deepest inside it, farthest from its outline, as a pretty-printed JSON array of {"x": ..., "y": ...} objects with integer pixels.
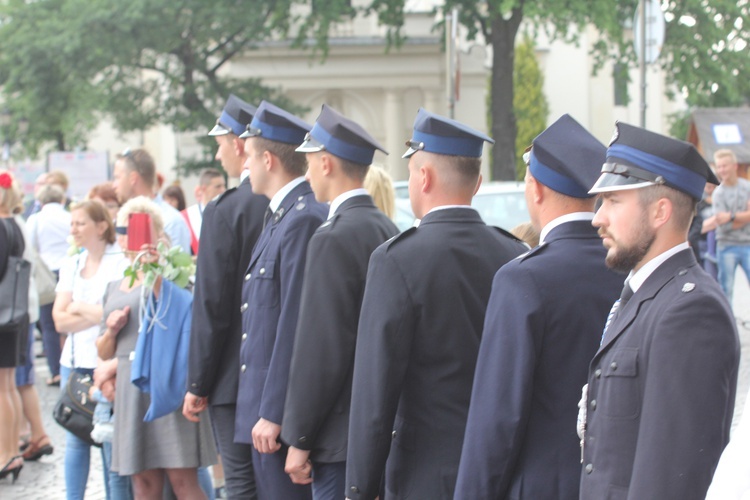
[
  {"x": 60, "y": 139},
  {"x": 502, "y": 39}
]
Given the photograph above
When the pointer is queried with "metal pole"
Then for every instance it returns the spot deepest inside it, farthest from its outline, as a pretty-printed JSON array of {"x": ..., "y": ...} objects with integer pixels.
[
  {"x": 449, "y": 70},
  {"x": 643, "y": 62}
]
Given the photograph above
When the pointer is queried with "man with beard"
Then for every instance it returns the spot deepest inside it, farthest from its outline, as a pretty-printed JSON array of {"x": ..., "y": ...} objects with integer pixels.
[{"x": 661, "y": 387}]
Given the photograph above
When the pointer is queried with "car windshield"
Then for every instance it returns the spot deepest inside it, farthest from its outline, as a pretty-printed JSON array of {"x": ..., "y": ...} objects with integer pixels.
[{"x": 503, "y": 209}]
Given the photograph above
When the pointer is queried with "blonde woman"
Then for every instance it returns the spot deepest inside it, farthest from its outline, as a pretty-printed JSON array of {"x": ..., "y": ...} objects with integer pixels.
[
  {"x": 77, "y": 312},
  {"x": 380, "y": 186}
]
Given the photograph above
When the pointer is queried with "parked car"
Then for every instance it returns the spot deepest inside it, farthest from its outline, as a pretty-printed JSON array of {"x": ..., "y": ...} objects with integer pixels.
[
  {"x": 500, "y": 204},
  {"x": 401, "y": 188}
]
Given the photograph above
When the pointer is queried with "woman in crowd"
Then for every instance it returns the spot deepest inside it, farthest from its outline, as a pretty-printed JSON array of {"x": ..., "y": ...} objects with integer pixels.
[
  {"x": 36, "y": 443},
  {"x": 175, "y": 197},
  {"x": 169, "y": 446},
  {"x": 380, "y": 186},
  {"x": 10, "y": 341},
  {"x": 106, "y": 194},
  {"x": 78, "y": 312}
]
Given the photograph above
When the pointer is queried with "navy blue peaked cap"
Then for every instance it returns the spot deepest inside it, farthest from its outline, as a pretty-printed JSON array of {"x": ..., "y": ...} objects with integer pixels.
[
  {"x": 337, "y": 134},
  {"x": 235, "y": 116},
  {"x": 438, "y": 134},
  {"x": 567, "y": 158},
  {"x": 638, "y": 158},
  {"x": 273, "y": 123}
]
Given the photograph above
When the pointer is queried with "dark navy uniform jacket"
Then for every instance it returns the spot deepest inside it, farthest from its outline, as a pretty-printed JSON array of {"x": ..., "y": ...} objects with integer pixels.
[
  {"x": 419, "y": 332},
  {"x": 661, "y": 389},
  {"x": 231, "y": 226},
  {"x": 316, "y": 416},
  {"x": 544, "y": 323},
  {"x": 270, "y": 306}
]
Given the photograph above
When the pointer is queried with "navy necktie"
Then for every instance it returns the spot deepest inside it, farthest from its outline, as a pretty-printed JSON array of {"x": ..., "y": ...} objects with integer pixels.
[
  {"x": 625, "y": 296},
  {"x": 267, "y": 216}
]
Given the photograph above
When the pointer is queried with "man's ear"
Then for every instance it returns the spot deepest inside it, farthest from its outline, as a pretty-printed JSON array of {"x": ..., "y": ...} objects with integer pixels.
[
  {"x": 479, "y": 183},
  {"x": 661, "y": 212},
  {"x": 269, "y": 160},
  {"x": 238, "y": 145},
  {"x": 426, "y": 177},
  {"x": 536, "y": 189},
  {"x": 326, "y": 164}
]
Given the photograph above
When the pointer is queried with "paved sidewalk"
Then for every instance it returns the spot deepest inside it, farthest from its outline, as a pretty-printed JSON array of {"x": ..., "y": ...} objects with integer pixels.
[{"x": 45, "y": 480}]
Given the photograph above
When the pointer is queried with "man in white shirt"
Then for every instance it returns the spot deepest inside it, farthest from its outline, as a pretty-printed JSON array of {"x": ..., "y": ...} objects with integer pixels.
[
  {"x": 48, "y": 231},
  {"x": 661, "y": 387},
  {"x": 135, "y": 175},
  {"x": 210, "y": 185}
]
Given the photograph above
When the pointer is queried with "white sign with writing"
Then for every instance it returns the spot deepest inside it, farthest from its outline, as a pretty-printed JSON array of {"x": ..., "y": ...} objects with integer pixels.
[{"x": 727, "y": 133}]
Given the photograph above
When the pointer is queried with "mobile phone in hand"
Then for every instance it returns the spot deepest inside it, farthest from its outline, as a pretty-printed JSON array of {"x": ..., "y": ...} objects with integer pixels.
[{"x": 140, "y": 231}]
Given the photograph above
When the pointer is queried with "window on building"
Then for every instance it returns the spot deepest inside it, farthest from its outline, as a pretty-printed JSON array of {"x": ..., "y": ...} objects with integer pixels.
[{"x": 621, "y": 78}]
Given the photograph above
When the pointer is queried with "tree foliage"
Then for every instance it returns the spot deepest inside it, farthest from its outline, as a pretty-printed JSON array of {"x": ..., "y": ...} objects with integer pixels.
[
  {"x": 67, "y": 63},
  {"x": 704, "y": 54},
  {"x": 529, "y": 102}
]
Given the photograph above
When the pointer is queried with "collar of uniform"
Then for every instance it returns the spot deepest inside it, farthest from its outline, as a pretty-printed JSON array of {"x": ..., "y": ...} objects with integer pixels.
[
  {"x": 639, "y": 278},
  {"x": 575, "y": 216},
  {"x": 337, "y": 201},
  {"x": 445, "y": 207},
  {"x": 281, "y": 193},
  {"x": 244, "y": 174}
]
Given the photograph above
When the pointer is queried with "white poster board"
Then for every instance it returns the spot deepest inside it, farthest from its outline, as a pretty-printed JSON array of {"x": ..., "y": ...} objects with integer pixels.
[{"x": 84, "y": 169}]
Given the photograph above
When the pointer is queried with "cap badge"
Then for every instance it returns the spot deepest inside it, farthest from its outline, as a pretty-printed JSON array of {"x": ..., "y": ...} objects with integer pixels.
[
  {"x": 688, "y": 287},
  {"x": 615, "y": 135}
]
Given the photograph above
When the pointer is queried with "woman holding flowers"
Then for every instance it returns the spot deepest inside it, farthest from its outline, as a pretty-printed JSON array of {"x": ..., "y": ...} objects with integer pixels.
[{"x": 147, "y": 325}]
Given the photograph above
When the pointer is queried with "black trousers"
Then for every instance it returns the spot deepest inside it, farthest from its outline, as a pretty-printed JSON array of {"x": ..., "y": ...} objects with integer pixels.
[{"x": 237, "y": 459}]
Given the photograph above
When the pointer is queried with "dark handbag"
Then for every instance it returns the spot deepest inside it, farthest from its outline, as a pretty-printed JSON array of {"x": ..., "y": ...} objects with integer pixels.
[
  {"x": 75, "y": 409},
  {"x": 14, "y": 290}
]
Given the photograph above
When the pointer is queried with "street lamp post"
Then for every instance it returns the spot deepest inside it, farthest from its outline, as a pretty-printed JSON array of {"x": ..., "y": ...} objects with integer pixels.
[{"x": 5, "y": 119}]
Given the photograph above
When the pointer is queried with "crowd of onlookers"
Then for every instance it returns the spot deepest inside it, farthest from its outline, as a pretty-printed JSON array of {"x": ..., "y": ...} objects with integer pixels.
[{"x": 91, "y": 323}]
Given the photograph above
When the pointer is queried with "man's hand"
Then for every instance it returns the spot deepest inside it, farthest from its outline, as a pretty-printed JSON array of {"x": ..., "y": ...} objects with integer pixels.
[
  {"x": 108, "y": 390},
  {"x": 105, "y": 370},
  {"x": 298, "y": 466},
  {"x": 723, "y": 217},
  {"x": 265, "y": 435},
  {"x": 193, "y": 405}
]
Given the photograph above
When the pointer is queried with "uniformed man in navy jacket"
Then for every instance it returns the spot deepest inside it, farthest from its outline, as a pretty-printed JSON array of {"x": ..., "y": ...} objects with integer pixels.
[
  {"x": 543, "y": 325},
  {"x": 272, "y": 290},
  {"x": 421, "y": 323},
  {"x": 231, "y": 226},
  {"x": 661, "y": 387},
  {"x": 316, "y": 416}
]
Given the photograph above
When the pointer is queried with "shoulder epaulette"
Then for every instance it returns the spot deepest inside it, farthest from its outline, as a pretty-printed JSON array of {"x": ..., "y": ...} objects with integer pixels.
[
  {"x": 400, "y": 236},
  {"x": 531, "y": 252},
  {"x": 222, "y": 195},
  {"x": 507, "y": 234}
]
